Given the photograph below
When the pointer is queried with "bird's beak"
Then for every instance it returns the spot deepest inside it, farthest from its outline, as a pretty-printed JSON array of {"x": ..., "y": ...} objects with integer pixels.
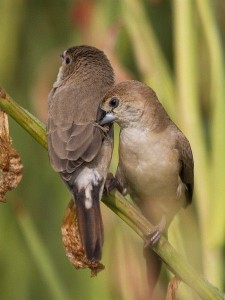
[{"x": 108, "y": 118}]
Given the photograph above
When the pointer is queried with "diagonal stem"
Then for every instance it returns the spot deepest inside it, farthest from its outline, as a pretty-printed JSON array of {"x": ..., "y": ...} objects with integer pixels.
[{"x": 125, "y": 210}]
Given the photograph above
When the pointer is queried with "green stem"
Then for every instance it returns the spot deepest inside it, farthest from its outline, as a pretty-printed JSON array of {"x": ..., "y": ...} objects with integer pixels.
[
  {"x": 217, "y": 96},
  {"x": 216, "y": 221},
  {"x": 187, "y": 93},
  {"x": 129, "y": 214},
  {"x": 150, "y": 59},
  {"x": 176, "y": 263},
  {"x": 26, "y": 120}
]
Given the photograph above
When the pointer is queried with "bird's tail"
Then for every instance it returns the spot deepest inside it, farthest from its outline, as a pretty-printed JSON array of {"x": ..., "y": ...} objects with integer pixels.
[
  {"x": 90, "y": 222},
  {"x": 153, "y": 268}
]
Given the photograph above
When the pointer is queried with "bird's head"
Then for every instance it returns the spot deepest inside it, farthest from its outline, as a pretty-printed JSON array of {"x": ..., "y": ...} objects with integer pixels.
[
  {"x": 88, "y": 61},
  {"x": 125, "y": 103}
]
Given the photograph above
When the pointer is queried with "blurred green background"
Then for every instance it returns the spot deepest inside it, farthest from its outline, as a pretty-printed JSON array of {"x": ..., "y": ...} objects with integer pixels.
[{"x": 177, "y": 47}]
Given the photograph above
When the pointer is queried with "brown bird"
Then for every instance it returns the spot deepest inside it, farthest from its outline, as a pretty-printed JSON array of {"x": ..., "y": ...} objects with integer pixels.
[
  {"x": 155, "y": 158},
  {"x": 79, "y": 149}
]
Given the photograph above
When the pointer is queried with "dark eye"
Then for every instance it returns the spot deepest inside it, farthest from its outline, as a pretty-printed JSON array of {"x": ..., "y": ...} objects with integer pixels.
[
  {"x": 114, "y": 102},
  {"x": 68, "y": 60}
]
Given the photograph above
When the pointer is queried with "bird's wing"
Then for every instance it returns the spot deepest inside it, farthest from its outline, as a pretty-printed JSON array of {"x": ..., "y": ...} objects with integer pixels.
[
  {"x": 121, "y": 181},
  {"x": 72, "y": 136},
  {"x": 186, "y": 165}
]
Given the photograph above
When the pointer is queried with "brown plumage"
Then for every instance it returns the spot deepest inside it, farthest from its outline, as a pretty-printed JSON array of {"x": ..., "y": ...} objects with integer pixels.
[
  {"x": 155, "y": 158},
  {"x": 78, "y": 149}
]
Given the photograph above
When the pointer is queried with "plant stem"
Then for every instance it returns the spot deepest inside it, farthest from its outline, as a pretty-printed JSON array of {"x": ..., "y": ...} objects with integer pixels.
[
  {"x": 26, "y": 120},
  {"x": 174, "y": 261},
  {"x": 215, "y": 51},
  {"x": 187, "y": 93},
  {"x": 217, "y": 96},
  {"x": 149, "y": 56},
  {"x": 124, "y": 210}
]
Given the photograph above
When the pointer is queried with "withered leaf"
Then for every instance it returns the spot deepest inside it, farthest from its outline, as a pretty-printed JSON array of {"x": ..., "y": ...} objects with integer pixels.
[
  {"x": 72, "y": 243},
  {"x": 172, "y": 289},
  {"x": 10, "y": 163}
]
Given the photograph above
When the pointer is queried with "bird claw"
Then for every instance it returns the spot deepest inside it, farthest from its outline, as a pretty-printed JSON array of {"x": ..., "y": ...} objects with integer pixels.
[
  {"x": 105, "y": 129},
  {"x": 110, "y": 183},
  {"x": 154, "y": 235}
]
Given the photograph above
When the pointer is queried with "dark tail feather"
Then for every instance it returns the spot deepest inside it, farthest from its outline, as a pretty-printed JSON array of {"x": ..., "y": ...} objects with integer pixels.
[
  {"x": 153, "y": 268},
  {"x": 90, "y": 225}
]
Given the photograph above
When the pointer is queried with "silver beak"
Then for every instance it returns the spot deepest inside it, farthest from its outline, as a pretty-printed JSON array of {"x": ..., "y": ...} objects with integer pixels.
[{"x": 108, "y": 118}]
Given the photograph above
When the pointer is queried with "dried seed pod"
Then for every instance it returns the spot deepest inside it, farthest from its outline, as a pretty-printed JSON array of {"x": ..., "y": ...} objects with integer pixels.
[
  {"x": 72, "y": 243},
  {"x": 10, "y": 163}
]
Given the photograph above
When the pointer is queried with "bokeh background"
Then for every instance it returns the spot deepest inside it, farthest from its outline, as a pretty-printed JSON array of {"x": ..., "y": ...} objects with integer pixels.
[{"x": 177, "y": 47}]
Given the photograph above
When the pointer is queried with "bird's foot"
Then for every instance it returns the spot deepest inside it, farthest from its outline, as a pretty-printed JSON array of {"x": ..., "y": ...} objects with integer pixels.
[
  {"x": 110, "y": 183},
  {"x": 154, "y": 235},
  {"x": 105, "y": 129}
]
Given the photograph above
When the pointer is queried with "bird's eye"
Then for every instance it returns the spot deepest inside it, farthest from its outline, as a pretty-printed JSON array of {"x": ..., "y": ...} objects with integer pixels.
[
  {"x": 68, "y": 60},
  {"x": 114, "y": 102}
]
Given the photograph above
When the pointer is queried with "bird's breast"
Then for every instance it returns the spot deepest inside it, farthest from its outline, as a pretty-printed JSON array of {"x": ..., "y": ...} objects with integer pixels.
[
  {"x": 150, "y": 167},
  {"x": 150, "y": 162}
]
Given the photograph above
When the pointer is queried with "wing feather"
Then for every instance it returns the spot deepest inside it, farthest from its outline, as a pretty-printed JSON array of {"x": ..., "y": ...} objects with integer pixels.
[
  {"x": 73, "y": 137},
  {"x": 186, "y": 165}
]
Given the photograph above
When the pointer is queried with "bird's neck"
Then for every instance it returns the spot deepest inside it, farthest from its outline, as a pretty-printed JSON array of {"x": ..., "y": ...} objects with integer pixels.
[{"x": 156, "y": 118}]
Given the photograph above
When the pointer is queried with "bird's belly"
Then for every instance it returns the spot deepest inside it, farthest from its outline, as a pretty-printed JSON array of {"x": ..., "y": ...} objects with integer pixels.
[{"x": 152, "y": 178}]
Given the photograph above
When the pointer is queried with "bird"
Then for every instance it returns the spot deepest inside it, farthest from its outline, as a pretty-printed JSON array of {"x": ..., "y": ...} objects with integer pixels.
[
  {"x": 156, "y": 165},
  {"x": 79, "y": 149}
]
